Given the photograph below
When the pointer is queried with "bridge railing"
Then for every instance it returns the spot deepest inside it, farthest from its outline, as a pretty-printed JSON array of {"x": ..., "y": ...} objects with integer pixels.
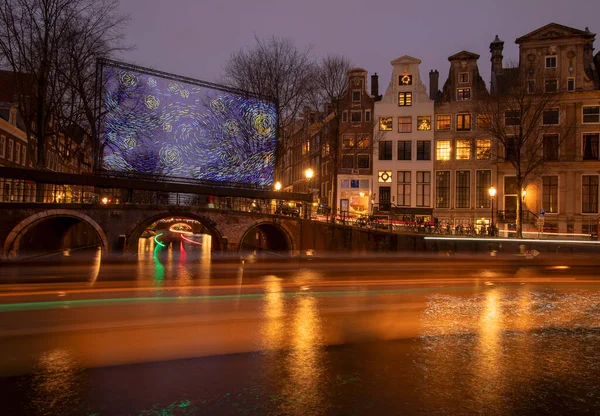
[{"x": 26, "y": 191}]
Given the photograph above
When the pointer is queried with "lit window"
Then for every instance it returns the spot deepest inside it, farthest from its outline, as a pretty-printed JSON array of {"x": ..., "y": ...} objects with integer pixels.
[
  {"x": 348, "y": 141},
  {"x": 463, "y": 94},
  {"x": 550, "y": 61},
  {"x": 442, "y": 150},
  {"x": 384, "y": 176},
  {"x": 591, "y": 114},
  {"x": 385, "y": 123},
  {"x": 484, "y": 149},
  {"x": 463, "y": 149},
  {"x": 463, "y": 122},
  {"x": 442, "y": 122},
  {"x": 404, "y": 98},
  {"x": 463, "y": 78},
  {"x": 423, "y": 122},
  {"x": 364, "y": 141},
  {"x": 405, "y": 124}
]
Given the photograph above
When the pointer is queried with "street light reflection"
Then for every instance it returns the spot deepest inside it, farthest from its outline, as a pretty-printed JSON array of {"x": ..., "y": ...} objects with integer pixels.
[
  {"x": 305, "y": 361},
  {"x": 57, "y": 383}
]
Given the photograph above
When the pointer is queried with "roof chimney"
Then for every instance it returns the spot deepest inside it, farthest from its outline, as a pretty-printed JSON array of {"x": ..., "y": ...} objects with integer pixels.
[
  {"x": 375, "y": 85},
  {"x": 434, "y": 77}
]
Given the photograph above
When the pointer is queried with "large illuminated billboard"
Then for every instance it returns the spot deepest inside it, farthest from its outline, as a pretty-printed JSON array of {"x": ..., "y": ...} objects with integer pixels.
[{"x": 160, "y": 124}]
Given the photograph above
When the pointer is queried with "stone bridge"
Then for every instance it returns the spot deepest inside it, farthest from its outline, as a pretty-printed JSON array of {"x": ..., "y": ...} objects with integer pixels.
[
  {"x": 44, "y": 227},
  {"x": 33, "y": 228}
]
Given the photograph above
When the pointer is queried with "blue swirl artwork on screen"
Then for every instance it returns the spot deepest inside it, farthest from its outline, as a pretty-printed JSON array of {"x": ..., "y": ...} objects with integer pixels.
[{"x": 158, "y": 125}]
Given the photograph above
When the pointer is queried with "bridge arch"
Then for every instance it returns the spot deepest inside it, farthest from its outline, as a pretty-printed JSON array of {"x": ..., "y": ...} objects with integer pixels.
[
  {"x": 12, "y": 243},
  {"x": 206, "y": 221},
  {"x": 267, "y": 237}
]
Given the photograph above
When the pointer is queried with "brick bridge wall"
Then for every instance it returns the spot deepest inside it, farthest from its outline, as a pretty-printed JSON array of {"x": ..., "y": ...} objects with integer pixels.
[{"x": 110, "y": 222}]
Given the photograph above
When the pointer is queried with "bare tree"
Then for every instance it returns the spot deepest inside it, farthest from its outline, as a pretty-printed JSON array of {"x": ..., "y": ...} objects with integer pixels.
[
  {"x": 97, "y": 34},
  {"x": 330, "y": 84},
  {"x": 277, "y": 69},
  {"x": 51, "y": 46},
  {"x": 528, "y": 127}
]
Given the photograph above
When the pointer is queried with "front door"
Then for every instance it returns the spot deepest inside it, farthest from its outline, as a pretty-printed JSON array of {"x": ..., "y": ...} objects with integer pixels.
[{"x": 385, "y": 198}]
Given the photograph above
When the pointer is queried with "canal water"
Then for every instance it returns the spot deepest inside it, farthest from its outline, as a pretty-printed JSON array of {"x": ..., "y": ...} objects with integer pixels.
[{"x": 520, "y": 348}]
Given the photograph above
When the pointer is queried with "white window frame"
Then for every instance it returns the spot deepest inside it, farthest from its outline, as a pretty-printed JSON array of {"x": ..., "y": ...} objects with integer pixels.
[
  {"x": 367, "y": 116},
  {"x": 590, "y": 122},
  {"x": 570, "y": 79},
  {"x": 2, "y": 146},
  {"x": 17, "y": 151},
  {"x": 555, "y": 62},
  {"x": 582, "y": 141},
  {"x": 10, "y": 148},
  {"x": 581, "y": 199},
  {"x": 557, "y": 194},
  {"x": 463, "y": 99}
]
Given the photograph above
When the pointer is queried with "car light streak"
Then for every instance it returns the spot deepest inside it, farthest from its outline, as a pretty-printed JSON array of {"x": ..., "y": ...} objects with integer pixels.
[{"x": 513, "y": 240}]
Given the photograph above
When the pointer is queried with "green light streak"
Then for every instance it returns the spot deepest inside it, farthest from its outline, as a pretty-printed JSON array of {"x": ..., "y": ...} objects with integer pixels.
[
  {"x": 30, "y": 306},
  {"x": 158, "y": 242},
  {"x": 159, "y": 269}
]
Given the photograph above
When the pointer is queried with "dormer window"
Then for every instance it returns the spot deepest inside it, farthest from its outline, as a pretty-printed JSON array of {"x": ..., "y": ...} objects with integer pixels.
[
  {"x": 405, "y": 80},
  {"x": 463, "y": 78},
  {"x": 550, "y": 61}
]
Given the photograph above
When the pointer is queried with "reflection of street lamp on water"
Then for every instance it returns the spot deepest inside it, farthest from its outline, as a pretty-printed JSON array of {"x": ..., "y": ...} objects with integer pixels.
[{"x": 492, "y": 192}]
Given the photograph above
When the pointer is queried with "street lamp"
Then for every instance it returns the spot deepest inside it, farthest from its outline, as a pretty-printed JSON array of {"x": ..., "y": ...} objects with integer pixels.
[
  {"x": 308, "y": 173},
  {"x": 492, "y": 192},
  {"x": 278, "y": 186}
]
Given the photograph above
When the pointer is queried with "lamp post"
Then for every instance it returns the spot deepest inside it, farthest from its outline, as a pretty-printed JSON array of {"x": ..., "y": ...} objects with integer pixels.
[
  {"x": 492, "y": 192},
  {"x": 308, "y": 173},
  {"x": 277, "y": 189}
]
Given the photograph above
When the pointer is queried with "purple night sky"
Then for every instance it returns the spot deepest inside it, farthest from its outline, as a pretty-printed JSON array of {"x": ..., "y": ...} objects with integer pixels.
[{"x": 195, "y": 38}]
